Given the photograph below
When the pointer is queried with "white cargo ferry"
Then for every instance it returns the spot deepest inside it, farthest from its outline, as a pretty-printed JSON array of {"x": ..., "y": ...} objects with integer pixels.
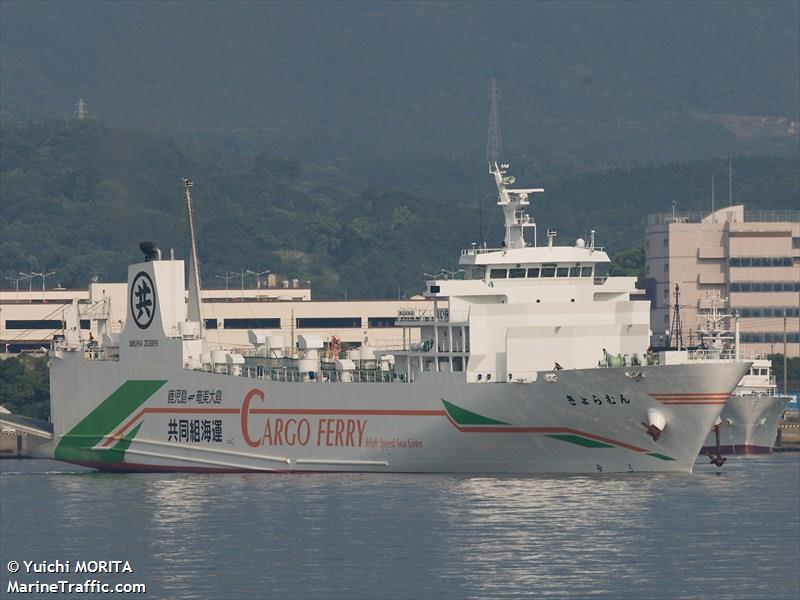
[{"x": 529, "y": 364}]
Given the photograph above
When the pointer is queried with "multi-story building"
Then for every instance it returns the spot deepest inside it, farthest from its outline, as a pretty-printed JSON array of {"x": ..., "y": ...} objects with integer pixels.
[
  {"x": 748, "y": 262},
  {"x": 30, "y": 319}
]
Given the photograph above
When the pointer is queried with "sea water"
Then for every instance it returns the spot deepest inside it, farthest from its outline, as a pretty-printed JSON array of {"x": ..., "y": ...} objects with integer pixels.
[{"x": 729, "y": 533}]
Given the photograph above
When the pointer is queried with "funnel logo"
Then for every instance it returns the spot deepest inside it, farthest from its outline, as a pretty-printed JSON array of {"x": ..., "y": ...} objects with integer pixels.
[{"x": 143, "y": 300}]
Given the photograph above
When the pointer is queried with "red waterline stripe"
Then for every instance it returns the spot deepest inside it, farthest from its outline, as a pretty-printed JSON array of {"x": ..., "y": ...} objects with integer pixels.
[
  {"x": 693, "y": 395},
  {"x": 492, "y": 429},
  {"x": 347, "y": 411},
  {"x": 687, "y": 403}
]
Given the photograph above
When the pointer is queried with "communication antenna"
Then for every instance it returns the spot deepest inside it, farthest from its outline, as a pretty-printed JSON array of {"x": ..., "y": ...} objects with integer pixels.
[
  {"x": 493, "y": 147},
  {"x": 81, "y": 110},
  {"x": 676, "y": 329},
  {"x": 194, "y": 311},
  {"x": 730, "y": 182},
  {"x": 712, "y": 193}
]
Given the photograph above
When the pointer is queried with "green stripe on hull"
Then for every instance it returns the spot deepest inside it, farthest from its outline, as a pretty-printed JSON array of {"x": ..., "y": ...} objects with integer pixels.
[
  {"x": 659, "y": 456},
  {"x": 462, "y": 416},
  {"x": 580, "y": 441},
  {"x": 77, "y": 444}
]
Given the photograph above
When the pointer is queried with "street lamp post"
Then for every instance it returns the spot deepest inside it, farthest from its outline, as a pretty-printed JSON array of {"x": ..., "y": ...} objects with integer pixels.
[
  {"x": 257, "y": 275},
  {"x": 29, "y": 277},
  {"x": 227, "y": 277},
  {"x": 16, "y": 281},
  {"x": 44, "y": 276}
]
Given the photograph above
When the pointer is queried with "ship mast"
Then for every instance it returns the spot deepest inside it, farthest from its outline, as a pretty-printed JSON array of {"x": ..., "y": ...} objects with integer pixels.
[
  {"x": 195, "y": 307},
  {"x": 512, "y": 201}
]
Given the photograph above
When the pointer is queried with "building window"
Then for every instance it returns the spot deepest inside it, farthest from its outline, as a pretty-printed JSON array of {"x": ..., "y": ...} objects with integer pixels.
[
  {"x": 381, "y": 321},
  {"x": 666, "y": 242},
  {"x": 86, "y": 324},
  {"x": 765, "y": 286},
  {"x": 329, "y": 323},
  {"x": 647, "y": 270},
  {"x": 761, "y": 261},
  {"x": 647, "y": 245},
  {"x": 210, "y": 323},
  {"x": 34, "y": 324},
  {"x": 769, "y": 337},
  {"x": 769, "y": 311},
  {"x": 498, "y": 273},
  {"x": 251, "y": 323},
  {"x": 796, "y": 242},
  {"x": 666, "y": 268}
]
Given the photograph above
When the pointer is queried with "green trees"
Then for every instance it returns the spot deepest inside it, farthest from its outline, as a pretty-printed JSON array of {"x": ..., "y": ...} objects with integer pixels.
[
  {"x": 25, "y": 386},
  {"x": 78, "y": 197}
]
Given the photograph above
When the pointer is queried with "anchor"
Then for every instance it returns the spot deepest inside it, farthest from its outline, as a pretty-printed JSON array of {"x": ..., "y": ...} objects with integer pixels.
[{"x": 717, "y": 459}]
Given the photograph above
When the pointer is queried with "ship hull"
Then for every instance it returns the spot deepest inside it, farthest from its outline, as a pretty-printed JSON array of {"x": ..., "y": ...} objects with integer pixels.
[
  {"x": 117, "y": 418},
  {"x": 749, "y": 425}
]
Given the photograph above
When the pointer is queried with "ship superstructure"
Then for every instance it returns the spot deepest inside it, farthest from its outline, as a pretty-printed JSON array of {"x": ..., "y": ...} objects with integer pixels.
[{"x": 532, "y": 363}]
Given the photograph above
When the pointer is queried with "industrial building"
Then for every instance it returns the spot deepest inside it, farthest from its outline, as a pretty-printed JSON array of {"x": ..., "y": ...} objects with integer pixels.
[
  {"x": 746, "y": 262},
  {"x": 30, "y": 318}
]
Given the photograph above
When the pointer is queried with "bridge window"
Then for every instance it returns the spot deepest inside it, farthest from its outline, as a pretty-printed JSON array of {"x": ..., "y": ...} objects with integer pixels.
[
  {"x": 562, "y": 272},
  {"x": 210, "y": 323},
  {"x": 533, "y": 272},
  {"x": 549, "y": 271},
  {"x": 498, "y": 273},
  {"x": 586, "y": 271},
  {"x": 516, "y": 273}
]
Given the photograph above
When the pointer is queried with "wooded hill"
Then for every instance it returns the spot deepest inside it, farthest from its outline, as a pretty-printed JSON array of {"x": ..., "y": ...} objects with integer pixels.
[{"x": 78, "y": 196}]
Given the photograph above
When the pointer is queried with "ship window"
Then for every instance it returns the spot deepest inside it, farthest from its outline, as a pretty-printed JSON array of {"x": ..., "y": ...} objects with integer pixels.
[
  {"x": 211, "y": 323},
  {"x": 586, "y": 271},
  {"x": 562, "y": 272},
  {"x": 533, "y": 272},
  {"x": 478, "y": 273},
  {"x": 516, "y": 273},
  {"x": 574, "y": 271},
  {"x": 498, "y": 273},
  {"x": 549, "y": 271}
]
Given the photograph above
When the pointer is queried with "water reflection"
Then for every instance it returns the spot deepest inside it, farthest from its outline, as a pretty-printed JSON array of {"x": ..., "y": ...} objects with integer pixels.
[{"x": 403, "y": 536}]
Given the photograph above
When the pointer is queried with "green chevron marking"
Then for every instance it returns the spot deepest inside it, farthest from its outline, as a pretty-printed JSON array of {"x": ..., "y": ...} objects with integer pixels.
[
  {"x": 659, "y": 456},
  {"x": 77, "y": 445},
  {"x": 580, "y": 441},
  {"x": 463, "y": 416}
]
